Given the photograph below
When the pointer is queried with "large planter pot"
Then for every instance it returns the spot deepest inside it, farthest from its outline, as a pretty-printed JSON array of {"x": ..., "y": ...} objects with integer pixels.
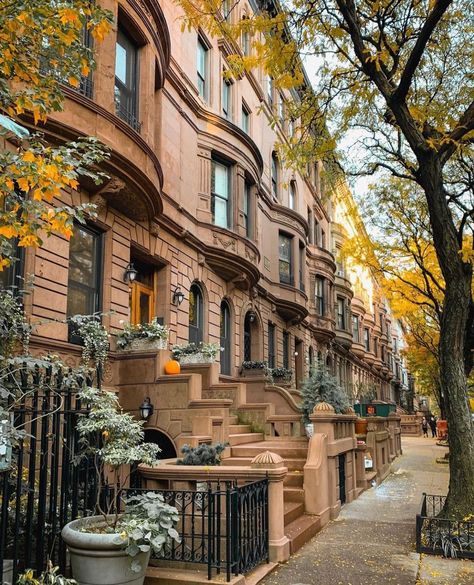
[
  {"x": 97, "y": 559},
  {"x": 361, "y": 426},
  {"x": 196, "y": 358},
  {"x": 144, "y": 344}
]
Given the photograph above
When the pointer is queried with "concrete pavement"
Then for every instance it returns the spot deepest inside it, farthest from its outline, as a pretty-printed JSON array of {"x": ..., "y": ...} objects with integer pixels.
[{"x": 372, "y": 542}]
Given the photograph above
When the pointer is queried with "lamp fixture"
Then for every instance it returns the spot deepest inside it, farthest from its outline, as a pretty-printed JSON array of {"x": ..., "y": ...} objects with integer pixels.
[
  {"x": 146, "y": 408},
  {"x": 178, "y": 296},
  {"x": 130, "y": 273},
  {"x": 252, "y": 316}
]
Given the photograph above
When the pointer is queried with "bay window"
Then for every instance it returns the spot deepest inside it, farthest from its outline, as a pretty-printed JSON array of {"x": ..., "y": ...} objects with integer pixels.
[{"x": 220, "y": 194}]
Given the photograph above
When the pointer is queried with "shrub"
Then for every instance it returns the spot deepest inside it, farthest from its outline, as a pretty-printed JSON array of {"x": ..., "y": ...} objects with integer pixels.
[
  {"x": 321, "y": 386},
  {"x": 202, "y": 455},
  {"x": 208, "y": 350}
]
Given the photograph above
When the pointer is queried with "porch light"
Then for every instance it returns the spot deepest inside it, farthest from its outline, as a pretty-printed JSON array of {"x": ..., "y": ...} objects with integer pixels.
[
  {"x": 130, "y": 273},
  {"x": 252, "y": 316},
  {"x": 146, "y": 408},
  {"x": 178, "y": 296}
]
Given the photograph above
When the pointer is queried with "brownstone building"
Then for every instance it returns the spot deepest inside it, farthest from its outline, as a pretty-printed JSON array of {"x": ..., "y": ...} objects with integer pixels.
[{"x": 199, "y": 203}]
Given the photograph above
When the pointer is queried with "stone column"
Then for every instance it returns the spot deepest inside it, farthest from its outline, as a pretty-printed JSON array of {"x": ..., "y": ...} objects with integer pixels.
[{"x": 273, "y": 464}]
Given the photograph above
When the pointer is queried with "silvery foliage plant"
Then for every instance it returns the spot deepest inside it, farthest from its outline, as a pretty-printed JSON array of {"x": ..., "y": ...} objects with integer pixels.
[{"x": 147, "y": 525}]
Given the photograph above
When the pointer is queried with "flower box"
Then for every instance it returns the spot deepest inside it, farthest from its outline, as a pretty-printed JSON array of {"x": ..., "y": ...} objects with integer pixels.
[
  {"x": 144, "y": 344},
  {"x": 196, "y": 358}
]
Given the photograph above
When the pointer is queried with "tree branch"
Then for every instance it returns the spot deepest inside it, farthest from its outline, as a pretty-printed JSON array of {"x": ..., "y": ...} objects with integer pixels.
[{"x": 415, "y": 56}]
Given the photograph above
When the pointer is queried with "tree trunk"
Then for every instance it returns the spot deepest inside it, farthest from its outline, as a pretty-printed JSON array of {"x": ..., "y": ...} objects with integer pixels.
[{"x": 454, "y": 322}]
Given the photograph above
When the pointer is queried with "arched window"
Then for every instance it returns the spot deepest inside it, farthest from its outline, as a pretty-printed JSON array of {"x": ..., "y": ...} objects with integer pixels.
[
  {"x": 225, "y": 338},
  {"x": 249, "y": 318},
  {"x": 196, "y": 317}
]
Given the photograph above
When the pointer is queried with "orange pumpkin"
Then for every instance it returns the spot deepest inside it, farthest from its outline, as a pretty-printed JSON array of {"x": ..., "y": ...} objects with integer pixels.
[{"x": 172, "y": 367}]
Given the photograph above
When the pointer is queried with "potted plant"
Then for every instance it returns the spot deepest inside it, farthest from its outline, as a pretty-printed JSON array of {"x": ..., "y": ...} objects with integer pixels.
[
  {"x": 255, "y": 369},
  {"x": 196, "y": 353},
  {"x": 321, "y": 386},
  {"x": 143, "y": 336},
  {"x": 115, "y": 545},
  {"x": 282, "y": 375}
]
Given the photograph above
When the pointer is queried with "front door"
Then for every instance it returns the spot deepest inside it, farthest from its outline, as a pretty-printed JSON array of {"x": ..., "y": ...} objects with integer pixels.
[
  {"x": 299, "y": 362},
  {"x": 142, "y": 303}
]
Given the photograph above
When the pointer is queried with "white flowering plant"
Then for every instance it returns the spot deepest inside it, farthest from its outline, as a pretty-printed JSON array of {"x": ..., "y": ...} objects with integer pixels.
[
  {"x": 208, "y": 350},
  {"x": 94, "y": 337},
  {"x": 152, "y": 330},
  {"x": 147, "y": 523}
]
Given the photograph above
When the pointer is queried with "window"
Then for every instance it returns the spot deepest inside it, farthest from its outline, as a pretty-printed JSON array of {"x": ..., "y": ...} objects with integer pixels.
[
  {"x": 366, "y": 339},
  {"x": 275, "y": 175},
  {"x": 220, "y": 183},
  {"x": 285, "y": 259},
  {"x": 281, "y": 108},
  {"x": 376, "y": 347},
  {"x": 202, "y": 81},
  {"x": 226, "y": 9},
  {"x": 355, "y": 328},
  {"x": 270, "y": 91},
  {"x": 247, "y": 208},
  {"x": 381, "y": 323},
  {"x": 292, "y": 196},
  {"x": 11, "y": 276},
  {"x": 85, "y": 269},
  {"x": 291, "y": 127},
  {"x": 302, "y": 262},
  {"x": 126, "y": 79},
  {"x": 245, "y": 39},
  {"x": 245, "y": 119},
  {"x": 323, "y": 239},
  {"x": 383, "y": 353},
  {"x": 341, "y": 313},
  {"x": 309, "y": 216},
  {"x": 286, "y": 349},
  {"x": 271, "y": 345},
  {"x": 319, "y": 295},
  {"x": 225, "y": 339},
  {"x": 196, "y": 317},
  {"x": 227, "y": 99},
  {"x": 317, "y": 233}
]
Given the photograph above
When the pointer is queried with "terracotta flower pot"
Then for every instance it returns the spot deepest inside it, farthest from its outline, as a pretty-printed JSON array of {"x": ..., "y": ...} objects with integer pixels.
[{"x": 361, "y": 426}]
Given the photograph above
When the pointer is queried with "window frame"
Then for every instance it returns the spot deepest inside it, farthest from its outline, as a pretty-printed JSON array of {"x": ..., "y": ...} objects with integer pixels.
[
  {"x": 271, "y": 358},
  {"x": 130, "y": 112},
  {"x": 341, "y": 315},
  {"x": 214, "y": 195},
  {"x": 275, "y": 175},
  {"x": 98, "y": 285},
  {"x": 320, "y": 301},
  {"x": 226, "y": 98},
  {"x": 245, "y": 115},
  {"x": 292, "y": 195},
  {"x": 247, "y": 208},
  {"x": 367, "y": 339},
  {"x": 284, "y": 279},
  {"x": 356, "y": 330},
  {"x": 286, "y": 349},
  {"x": 202, "y": 78}
]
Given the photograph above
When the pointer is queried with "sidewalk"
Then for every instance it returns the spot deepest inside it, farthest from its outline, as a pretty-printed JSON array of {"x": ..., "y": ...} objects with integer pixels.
[{"x": 373, "y": 540}]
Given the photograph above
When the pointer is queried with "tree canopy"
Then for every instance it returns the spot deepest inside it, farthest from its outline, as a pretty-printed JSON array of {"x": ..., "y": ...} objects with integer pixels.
[{"x": 42, "y": 48}]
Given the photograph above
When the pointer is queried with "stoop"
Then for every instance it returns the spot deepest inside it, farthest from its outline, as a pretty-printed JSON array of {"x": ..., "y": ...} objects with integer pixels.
[{"x": 194, "y": 576}]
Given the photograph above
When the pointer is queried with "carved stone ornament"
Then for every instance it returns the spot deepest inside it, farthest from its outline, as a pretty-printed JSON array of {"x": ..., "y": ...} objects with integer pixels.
[
  {"x": 267, "y": 459},
  {"x": 218, "y": 240},
  {"x": 99, "y": 202},
  {"x": 154, "y": 229},
  {"x": 323, "y": 408},
  {"x": 250, "y": 255},
  {"x": 114, "y": 186}
]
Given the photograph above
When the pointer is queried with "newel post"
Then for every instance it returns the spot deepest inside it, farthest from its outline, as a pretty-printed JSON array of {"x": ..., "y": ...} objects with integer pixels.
[{"x": 273, "y": 464}]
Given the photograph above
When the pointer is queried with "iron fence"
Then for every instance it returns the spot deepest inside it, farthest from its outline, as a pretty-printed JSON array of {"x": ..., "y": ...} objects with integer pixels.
[
  {"x": 222, "y": 525},
  {"x": 45, "y": 486},
  {"x": 436, "y": 535}
]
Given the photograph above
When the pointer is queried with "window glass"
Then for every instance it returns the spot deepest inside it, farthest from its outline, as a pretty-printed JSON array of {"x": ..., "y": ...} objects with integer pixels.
[
  {"x": 341, "y": 313},
  {"x": 126, "y": 79},
  {"x": 285, "y": 259},
  {"x": 367, "y": 339},
  {"x": 83, "y": 296},
  {"x": 247, "y": 209},
  {"x": 271, "y": 345},
  {"x": 286, "y": 349},
  {"x": 202, "y": 69},
  {"x": 319, "y": 293},
  {"x": 196, "y": 321},
  {"x": 274, "y": 175},
  {"x": 245, "y": 120},
  {"x": 226, "y": 98},
  {"x": 292, "y": 196},
  {"x": 355, "y": 327},
  {"x": 220, "y": 194}
]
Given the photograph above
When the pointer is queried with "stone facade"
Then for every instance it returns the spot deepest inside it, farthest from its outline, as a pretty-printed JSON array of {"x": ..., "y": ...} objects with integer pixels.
[{"x": 253, "y": 261}]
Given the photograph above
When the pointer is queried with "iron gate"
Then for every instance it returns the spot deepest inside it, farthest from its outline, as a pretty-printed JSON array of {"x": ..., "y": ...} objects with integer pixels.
[{"x": 45, "y": 487}]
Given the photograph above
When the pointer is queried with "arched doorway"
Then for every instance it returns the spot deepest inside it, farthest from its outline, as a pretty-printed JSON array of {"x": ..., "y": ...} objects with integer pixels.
[
  {"x": 168, "y": 450},
  {"x": 196, "y": 314},
  {"x": 225, "y": 338}
]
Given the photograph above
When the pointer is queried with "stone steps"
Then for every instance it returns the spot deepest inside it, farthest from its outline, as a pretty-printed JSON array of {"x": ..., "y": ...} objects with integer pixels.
[
  {"x": 293, "y": 494},
  {"x": 294, "y": 479},
  {"x": 243, "y": 438},
  {"x": 301, "y": 530},
  {"x": 287, "y": 452},
  {"x": 292, "y": 511},
  {"x": 237, "y": 429}
]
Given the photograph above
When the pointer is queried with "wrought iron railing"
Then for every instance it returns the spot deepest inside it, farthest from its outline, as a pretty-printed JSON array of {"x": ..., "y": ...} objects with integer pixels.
[
  {"x": 44, "y": 487},
  {"x": 222, "y": 525},
  {"x": 436, "y": 535}
]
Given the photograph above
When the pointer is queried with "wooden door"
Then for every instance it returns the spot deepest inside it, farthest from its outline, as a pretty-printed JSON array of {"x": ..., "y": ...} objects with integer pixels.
[{"x": 142, "y": 303}]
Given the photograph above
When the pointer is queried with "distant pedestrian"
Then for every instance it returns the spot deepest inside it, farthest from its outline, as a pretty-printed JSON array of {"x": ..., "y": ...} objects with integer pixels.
[
  {"x": 432, "y": 424},
  {"x": 424, "y": 427}
]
